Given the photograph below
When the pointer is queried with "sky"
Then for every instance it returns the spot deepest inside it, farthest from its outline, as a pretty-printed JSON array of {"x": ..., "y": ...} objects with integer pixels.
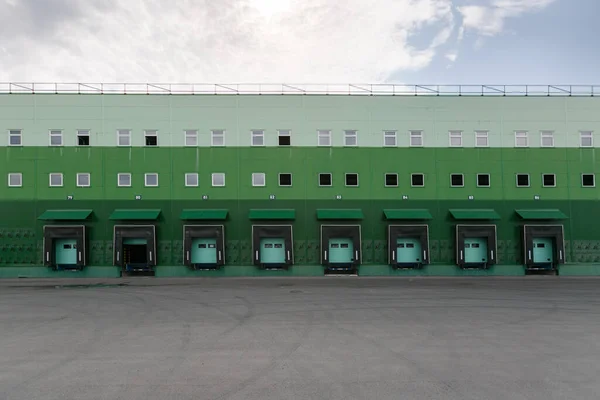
[{"x": 301, "y": 41}]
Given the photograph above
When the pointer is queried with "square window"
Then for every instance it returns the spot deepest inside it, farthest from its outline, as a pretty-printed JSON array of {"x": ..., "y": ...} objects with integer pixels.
[
  {"x": 191, "y": 179},
  {"x": 352, "y": 179},
  {"x": 521, "y": 139},
  {"x": 56, "y": 138},
  {"x": 14, "y": 137},
  {"x": 417, "y": 180},
  {"x": 284, "y": 137},
  {"x": 258, "y": 179},
  {"x": 151, "y": 137},
  {"x": 218, "y": 179},
  {"x": 548, "y": 180},
  {"x": 15, "y": 180},
  {"x": 217, "y": 138},
  {"x": 56, "y": 180},
  {"x": 83, "y": 137},
  {"x": 522, "y": 180},
  {"x": 191, "y": 137},
  {"x": 324, "y": 138},
  {"x": 325, "y": 179},
  {"x": 123, "y": 137},
  {"x": 416, "y": 138},
  {"x": 483, "y": 180},
  {"x": 389, "y": 139},
  {"x": 391, "y": 180},
  {"x": 586, "y": 139},
  {"x": 258, "y": 138},
  {"x": 481, "y": 138},
  {"x": 124, "y": 180},
  {"x": 455, "y": 138},
  {"x": 350, "y": 138},
  {"x": 546, "y": 139},
  {"x": 151, "y": 180},
  {"x": 83, "y": 180},
  {"x": 457, "y": 180},
  {"x": 285, "y": 179},
  {"x": 588, "y": 180}
]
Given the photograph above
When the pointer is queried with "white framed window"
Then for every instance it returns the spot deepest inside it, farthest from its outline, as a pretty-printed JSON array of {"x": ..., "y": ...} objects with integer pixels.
[
  {"x": 218, "y": 179},
  {"x": 457, "y": 180},
  {"x": 481, "y": 139},
  {"x": 285, "y": 179},
  {"x": 417, "y": 180},
  {"x": 258, "y": 179},
  {"x": 151, "y": 179},
  {"x": 217, "y": 138},
  {"x": 83, "y": 180},
  {"x": 284, "y": 137},
  {"x": 549, "y": 180},
  {"x": 416, "y": 139},
  {"x": 586, "y": 139},
  {"x": 588, "y": 180},
  {"x": 15, "y": 137},
  {"x": 190, "y": 137},
  {"x": 483, "y": 180},
  {"x": 352, "y": 180},
  {"x": 151, "y": 137},
  {"x": 56, "y": 179},
  {"x": 324, "y": 138},
  {"x": 522, "y": 180},
  {"x": 391, "y": 179},
  {"x": 546, "y": 139},
  {"x": 521, "y": 139},
  {"x": 389, "y": 139},
  {"x": 124, "y": 137},
  {"x": 15, "y": 179},
  {"x": 257, "y": 137},
  {"x": 124, "y": 179},
  {"x": 455, "y": 138},
  {"x": 83, "y": 137},
  {"x": 191, "y": 179},
  {"x": 56, "y": 137},
  {"x": 350, "y": 138}
]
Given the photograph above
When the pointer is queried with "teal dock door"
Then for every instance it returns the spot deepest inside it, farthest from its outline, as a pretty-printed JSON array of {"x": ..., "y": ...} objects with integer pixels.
[
  {"x": 272, "y": 251},
  {"x": 408, "y": 251},
  {"x": 204, "y": 251},
  {"x": 476, "y": 250},
  {"x": 65, "y": 251},
  {"x": 543, "y": 251},
  {"x": 341, "y": 251}
]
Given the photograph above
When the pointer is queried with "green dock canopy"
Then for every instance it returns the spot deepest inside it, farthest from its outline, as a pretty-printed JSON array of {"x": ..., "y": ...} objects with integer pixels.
[
  {"x": 135, "y": 214},
  {"x": 323, "y": 214},
  {"x": 277, "y": 214},
  {"x": 541, "y": 214},
  {"x": 407, "y": 214},
  {"x": 65, "y": 215},
  {"x": 204, "y": 215},
  {"x": 481, "y": 214}
]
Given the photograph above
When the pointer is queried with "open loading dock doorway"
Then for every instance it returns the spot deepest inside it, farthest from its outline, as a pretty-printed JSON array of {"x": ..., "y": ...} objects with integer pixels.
[
  {"x": 135, "y": 247},
  {"x": 65, "y": 247},
  {"x": 204, "y": 246}
]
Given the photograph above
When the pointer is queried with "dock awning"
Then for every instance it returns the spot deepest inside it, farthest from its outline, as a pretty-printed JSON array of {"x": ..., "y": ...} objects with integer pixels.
[
  {"x": 135, "y": 214},
  {"x": 541, "y": 214},
  {"x": 65, "y": 215},
  {"x": 204, "y": 215},
  {"x": 339, "y": 214},
  {"x": 274, "y": 214},
  {"x": 475, "y": 214},
  {"x": 407, "y": 214}
]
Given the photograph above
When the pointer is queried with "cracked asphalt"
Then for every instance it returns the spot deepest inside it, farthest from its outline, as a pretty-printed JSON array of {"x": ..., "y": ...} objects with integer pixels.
[{"x": 301, "y": 338}]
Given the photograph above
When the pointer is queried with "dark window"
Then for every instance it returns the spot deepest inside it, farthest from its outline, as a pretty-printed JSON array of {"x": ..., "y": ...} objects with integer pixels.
[
  {"x": 285, "y": 179},
  {"x": 549, "y": 180},
  {"x": 483, "y": 180},
  {"x": 351, "y": 179},
  {"x": 83, "y": 140},
  {"x": 588, "y": 180},
  {"x": 278, "y": 246},
  {"x": 324, "y": 179},
  {"x": 202, "y": 246},
  {"x": 344, "y": 245},
  {"x": 522, "y": 180},
  {"x": 151, "y": 140},
  {"x": 410, "y": 245},
  {"x": 285, "y": 140},
  {"x": 391, "y": 179},
  {"x": 417, "y": 180},
  {"x": 268, "y": 246},
  {"x": 475, "y": 245},
  {"x": 456, "y": 180}
]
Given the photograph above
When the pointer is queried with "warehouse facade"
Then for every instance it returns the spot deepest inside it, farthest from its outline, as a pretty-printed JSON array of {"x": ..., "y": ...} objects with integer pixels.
[{"x": 251, "y": 185}]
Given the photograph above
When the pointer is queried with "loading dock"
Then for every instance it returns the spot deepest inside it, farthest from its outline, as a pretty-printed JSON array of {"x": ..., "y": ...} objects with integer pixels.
[
  {"x": 408, "y": 245},
  {"x": 543, "y": 243},
  {"x": 134, "y": 246},
  {"x": 340, "y": 243},
  {"x": 272, "y": 245},
  {"x": 65, "y": 245},
  {"x": 475, "y": 243},
  {"x": 204, "y": 243}
]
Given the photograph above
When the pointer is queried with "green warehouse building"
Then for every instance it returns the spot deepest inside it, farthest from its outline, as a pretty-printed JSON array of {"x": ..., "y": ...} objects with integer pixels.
[{"x": 264, "y": 180}]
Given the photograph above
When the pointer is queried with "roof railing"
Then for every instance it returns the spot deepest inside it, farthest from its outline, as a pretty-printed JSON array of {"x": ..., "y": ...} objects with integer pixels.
[{"x": 355, "y": 89}]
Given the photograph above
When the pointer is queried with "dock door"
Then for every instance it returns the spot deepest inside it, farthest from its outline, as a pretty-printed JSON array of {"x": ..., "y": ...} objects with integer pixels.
[
  {"x": 408, "y": 246},
  {"x": 203, "y": 246}
]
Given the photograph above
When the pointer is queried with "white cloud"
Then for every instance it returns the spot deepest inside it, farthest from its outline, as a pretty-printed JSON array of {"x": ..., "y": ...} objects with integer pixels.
[{"x": 217, "y": 41}]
